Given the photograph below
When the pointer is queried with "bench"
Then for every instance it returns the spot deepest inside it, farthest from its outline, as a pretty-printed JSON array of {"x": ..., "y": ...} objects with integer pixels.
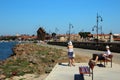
[
  {"x": 105, "y": 60},
  {"x": 87, "y": 69}
]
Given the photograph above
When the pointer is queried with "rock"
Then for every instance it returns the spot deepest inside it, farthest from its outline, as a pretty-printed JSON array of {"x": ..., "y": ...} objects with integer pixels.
[{"x": 1, "y": 62}]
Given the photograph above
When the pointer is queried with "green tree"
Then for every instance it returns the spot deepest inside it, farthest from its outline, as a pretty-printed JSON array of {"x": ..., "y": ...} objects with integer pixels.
[
  {"x": 84, "y": 34},
  {"x": 41, "y": 33},
  {"x": 53, "y": 35}
]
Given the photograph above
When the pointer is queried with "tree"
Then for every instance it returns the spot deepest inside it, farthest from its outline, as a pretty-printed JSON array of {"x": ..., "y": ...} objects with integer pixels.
[
  {"x": 84, "y": 34},
  {"x": 41, "y": 33},
  {"x": 53, "y": 34}
]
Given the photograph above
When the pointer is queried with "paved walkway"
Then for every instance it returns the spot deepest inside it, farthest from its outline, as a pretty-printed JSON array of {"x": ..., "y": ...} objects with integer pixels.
[{"x": 64, "y": 72}]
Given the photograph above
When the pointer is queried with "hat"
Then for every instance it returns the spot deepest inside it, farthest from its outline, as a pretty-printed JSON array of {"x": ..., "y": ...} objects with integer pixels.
[
  {"x": 107, "y": 46},
  {"x": 69, "y": 43}
]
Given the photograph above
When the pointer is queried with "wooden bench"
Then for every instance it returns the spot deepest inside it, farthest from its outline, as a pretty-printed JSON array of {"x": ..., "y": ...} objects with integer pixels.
[
  {"x": 105, "y": 60},
  {"x": 87, "y": 69}
]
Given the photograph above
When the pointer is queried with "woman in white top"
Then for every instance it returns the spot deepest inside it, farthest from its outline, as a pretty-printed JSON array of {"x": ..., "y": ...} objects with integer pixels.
[{"x": 70, "y": 53}]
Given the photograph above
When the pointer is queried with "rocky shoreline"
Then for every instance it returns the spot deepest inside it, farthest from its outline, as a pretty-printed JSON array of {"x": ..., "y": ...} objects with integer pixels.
[{"x": 31, "y": 60}]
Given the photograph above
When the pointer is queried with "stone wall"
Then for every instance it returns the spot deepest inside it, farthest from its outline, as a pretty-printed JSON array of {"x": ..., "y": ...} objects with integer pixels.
[{"x": 114, "y": 47}]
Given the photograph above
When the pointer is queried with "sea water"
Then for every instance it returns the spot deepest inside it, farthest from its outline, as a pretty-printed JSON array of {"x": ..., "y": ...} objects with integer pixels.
[{"x": 6, "y": 49}]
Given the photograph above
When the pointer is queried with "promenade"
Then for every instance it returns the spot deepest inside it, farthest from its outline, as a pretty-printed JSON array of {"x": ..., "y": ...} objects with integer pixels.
[{"x": 64, "y": 72}]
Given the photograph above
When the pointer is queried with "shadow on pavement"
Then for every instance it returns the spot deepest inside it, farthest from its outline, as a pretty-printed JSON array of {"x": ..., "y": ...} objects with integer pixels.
[
  {"x": 63, "y": 64},
  {"x": 100, "y": 65}
]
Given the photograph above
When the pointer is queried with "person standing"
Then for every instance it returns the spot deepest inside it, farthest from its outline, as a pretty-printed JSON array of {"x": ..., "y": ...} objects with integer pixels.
[{"x": 71, "y": 54}]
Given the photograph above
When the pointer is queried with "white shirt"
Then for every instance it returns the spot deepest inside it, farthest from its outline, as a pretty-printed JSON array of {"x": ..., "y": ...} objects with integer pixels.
[
  {"x": 70, "y": 48},
  {"x": 108, "y": 52}
]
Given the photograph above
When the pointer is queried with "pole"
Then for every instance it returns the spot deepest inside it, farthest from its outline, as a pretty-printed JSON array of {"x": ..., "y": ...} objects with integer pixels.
[
  {"x": 69, "y": 31},
  {"x": 97, "y": 27}
]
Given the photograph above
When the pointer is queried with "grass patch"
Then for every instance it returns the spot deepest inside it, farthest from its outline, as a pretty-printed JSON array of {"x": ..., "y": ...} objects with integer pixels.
[
  {"x": 17, "y": 67},
  {"x": 30, "y": 58}
]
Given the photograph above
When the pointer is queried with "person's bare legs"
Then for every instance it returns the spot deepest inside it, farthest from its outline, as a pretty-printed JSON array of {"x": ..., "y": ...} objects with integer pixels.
[
  {"x": 96, "y": 59},
  {"x": 70, "y": 62},
  {"x": 73, "y": 62}
]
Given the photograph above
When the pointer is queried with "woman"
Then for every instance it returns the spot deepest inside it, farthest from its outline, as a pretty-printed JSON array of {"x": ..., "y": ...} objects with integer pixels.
[
  {"x": 71, "y": 54},
  {"x": 102, "y": 56}
]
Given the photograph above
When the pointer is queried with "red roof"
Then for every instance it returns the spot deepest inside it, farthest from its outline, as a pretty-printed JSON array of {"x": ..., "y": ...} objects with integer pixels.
[{"x": 116, "y": 39}]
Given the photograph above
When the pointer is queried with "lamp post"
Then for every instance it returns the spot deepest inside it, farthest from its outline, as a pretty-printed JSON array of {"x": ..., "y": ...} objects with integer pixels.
[
  {"x": 97, "y": 27},
  {"x": 70, "y": 26}
]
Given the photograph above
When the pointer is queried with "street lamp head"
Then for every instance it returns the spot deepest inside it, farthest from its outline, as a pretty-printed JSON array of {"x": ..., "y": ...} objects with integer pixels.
[
  {"x": 92, "y": 29},
  {"x": 101, "y": 19}
]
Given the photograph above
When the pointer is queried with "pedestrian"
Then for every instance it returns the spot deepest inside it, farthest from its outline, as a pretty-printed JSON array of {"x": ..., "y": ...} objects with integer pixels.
[{"x": 71, "y": 54}]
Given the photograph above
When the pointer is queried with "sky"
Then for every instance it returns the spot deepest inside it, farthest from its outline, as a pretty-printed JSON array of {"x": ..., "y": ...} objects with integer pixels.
[{"x": 26, "y": 16}]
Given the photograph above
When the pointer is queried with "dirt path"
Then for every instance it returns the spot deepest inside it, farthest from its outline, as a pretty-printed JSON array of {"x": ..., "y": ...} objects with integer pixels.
[{"x": 86, "y": 52}]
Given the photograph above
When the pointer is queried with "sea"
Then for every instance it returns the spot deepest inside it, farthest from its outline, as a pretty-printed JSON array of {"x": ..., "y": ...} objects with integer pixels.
[{"x": 6, "y": 49}]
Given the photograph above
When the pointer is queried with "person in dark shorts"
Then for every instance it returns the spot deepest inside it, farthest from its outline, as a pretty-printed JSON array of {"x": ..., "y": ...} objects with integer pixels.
[
  {"x": 70, "y": 54},
  {"x": 101, "y": 56}
]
